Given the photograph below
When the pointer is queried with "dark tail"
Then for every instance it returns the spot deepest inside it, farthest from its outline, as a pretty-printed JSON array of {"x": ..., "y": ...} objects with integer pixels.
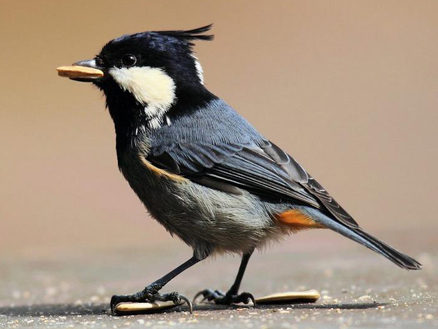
[
  {"x": 358, "y": 235},
  {"x": 402, "y": 260}
]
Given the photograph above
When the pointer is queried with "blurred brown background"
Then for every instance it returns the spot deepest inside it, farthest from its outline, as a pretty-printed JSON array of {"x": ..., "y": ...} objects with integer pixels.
[{"x": 350, "y": 88}]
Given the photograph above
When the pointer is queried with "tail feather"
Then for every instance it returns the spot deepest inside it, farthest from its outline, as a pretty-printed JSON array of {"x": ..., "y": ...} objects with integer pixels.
[
  {"x": 358, "y": 235},
  {"x": 402, "y": 260}
]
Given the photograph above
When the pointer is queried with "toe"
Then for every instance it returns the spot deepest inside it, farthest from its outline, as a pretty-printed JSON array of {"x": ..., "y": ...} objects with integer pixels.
[
  {"x": 245, "y": 298},
  {"x": 202, "y": 293},
  {"x": 208, "y": 294},
  {"x": 115, "y": 300}
]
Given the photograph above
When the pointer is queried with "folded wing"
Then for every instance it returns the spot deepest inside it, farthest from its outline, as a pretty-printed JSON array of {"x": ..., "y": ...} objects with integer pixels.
[{"x": 261, "y": 168}]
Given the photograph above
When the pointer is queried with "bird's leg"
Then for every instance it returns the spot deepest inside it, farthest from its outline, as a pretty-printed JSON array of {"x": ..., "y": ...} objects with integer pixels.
[
  {"x": 232, "y": 296},
  {"x": 150, "y": 293}
]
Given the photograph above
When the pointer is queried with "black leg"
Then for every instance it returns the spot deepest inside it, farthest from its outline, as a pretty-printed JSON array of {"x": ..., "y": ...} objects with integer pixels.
[
  {"x": 232, "y": 296},
  {"x": 150, "y": 293},
  {"x": 236, "y": 285}
]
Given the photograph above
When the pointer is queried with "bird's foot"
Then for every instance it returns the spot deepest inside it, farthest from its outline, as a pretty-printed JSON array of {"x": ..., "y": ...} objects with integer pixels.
[
  {"x": 149, "y": 295},
  {"x": 220, "y": 298}
]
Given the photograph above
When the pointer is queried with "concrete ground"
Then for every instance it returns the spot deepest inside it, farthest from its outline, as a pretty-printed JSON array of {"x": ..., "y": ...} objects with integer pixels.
[{"x": 359, "y": 288}]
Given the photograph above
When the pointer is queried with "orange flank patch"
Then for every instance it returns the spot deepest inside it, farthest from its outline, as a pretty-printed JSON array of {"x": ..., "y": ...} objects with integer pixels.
[
  {"x": 161, "y": 172},
  {"x": 296, "y": 220}
]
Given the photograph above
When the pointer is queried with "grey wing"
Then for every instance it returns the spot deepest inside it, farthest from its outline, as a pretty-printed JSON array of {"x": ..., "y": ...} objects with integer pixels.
[
  {"x": 310, "y": 184},
  {"x": 261, "y": 168}
]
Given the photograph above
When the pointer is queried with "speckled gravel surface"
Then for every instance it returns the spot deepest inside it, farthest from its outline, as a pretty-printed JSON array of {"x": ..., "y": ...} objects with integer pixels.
[{"x": 358, "y": 288}]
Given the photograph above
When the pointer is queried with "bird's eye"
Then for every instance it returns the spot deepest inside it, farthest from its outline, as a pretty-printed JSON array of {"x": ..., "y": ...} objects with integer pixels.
[
  {"x": 129, "y": 60},
  {"x": 99, "y": 61}
]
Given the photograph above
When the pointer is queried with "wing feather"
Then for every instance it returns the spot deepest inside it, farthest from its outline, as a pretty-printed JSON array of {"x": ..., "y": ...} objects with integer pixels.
[
  {"x": 216, "y": 147},
  {"x": 310, "y": 184},
  {"x": 245, "y": 166}
]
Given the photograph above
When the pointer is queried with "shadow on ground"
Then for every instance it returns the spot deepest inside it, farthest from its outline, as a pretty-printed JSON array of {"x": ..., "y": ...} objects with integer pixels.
[{"x": 102, "y": 309}]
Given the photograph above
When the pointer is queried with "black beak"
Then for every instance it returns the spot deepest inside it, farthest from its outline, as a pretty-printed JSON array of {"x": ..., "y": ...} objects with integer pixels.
[{"x": 85, "y": 71}]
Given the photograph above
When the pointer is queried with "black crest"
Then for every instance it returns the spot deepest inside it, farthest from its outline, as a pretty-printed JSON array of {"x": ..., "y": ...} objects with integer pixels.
[{"x": 189, "y": 35}]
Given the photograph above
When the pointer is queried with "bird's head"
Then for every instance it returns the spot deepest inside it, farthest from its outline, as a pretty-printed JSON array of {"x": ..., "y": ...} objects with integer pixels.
[{"x": 148, "y": 70}]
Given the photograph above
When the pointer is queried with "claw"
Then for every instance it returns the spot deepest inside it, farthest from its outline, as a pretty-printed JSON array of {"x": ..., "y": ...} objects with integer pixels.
[
  {"x": 146, "y": 296},
  {"x": 188, "y": 302},
  {"x": 201, "y": 293},
  {"x": 208, "y": 294},
  {"x": 113, "y": 309},
  {"x": 249, "y": 297},
  {"x": 115, "y": 300},
  {"x": 254, "y": 304},
  {"x": 225, "y": 299}
]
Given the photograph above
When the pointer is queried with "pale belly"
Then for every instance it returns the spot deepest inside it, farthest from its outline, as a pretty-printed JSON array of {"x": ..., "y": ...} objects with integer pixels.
[{"x": 206, "y": 219}]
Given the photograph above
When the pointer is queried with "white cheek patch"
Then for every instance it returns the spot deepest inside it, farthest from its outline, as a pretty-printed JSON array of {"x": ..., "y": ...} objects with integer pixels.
[{"x": 151, "y": 87}]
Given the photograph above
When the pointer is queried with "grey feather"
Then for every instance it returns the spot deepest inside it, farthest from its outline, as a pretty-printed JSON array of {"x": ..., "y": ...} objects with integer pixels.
[{"x": 236, "y": 182}]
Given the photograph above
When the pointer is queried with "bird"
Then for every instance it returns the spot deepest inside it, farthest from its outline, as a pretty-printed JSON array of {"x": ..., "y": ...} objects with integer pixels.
[{"x": 200, "y": 169}]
